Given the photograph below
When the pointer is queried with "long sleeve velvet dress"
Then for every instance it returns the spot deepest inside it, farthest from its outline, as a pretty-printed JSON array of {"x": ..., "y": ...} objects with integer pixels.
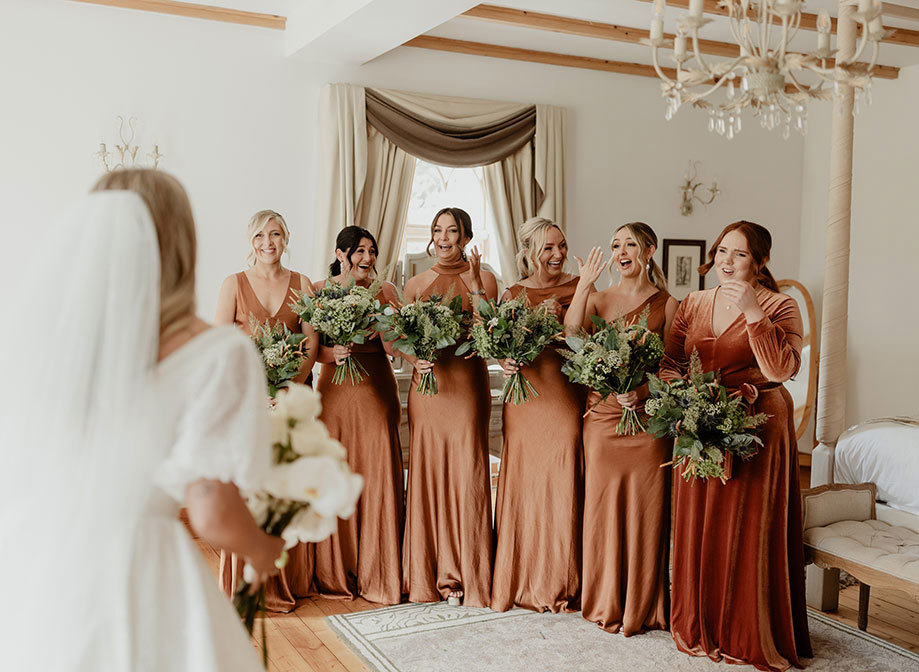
[{"x": 738, "y": 551}]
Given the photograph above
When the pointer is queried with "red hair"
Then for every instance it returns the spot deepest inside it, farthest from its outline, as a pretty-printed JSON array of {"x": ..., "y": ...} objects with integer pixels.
[{"x": 759, "y": 240}]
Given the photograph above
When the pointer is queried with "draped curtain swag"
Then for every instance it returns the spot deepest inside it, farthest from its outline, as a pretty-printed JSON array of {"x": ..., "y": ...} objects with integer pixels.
[{"x": 370, "y": 138}]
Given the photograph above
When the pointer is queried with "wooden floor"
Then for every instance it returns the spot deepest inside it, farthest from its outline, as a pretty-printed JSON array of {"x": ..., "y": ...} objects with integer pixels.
[{"x": 302, "y": 641}]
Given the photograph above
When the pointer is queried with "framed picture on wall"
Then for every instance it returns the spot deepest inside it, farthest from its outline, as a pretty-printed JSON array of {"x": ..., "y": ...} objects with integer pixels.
[{"x": 682, "y": 259}]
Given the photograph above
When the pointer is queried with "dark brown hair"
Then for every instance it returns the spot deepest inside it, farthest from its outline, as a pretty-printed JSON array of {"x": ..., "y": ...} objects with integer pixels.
[
  {"x": 462, "y": 219},
  {"x": 759, "y": 240},
  {"x": 349, "y": 239}
]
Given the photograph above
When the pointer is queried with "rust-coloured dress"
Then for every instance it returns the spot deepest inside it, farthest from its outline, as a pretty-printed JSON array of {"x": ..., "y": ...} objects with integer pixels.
[
  {"x": 448, "y": 533},
  {"x": 625, "y": 582},
  {"x": 738, "y": 553},
  {"x": 364, "y": 556},
  {"x": 295, "y": 580},
  {"x": 538, "y": 515}
]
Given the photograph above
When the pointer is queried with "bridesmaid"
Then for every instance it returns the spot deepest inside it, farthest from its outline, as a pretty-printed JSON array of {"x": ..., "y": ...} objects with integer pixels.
[
  {"x": 738, "y": 553},
  {"x": 538, "y": 516},
  {"x": 448, "y": 534},
  {"x": 265, "y": 291},
  {"x": 363, "y": 557},
  {"x": 624, "y": 585}
]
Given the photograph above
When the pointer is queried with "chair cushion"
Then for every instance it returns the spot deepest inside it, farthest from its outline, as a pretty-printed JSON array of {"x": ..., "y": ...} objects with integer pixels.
[{"x": 873, "y": 543}]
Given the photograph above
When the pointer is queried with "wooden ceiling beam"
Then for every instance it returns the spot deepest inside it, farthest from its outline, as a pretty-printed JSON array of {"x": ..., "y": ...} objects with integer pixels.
[
  {"x": 196, "y": 11},
  {"x": 902, "y": 36},
  {"x": 609, "y": 31},
  {"x": 533, "y": 56}
]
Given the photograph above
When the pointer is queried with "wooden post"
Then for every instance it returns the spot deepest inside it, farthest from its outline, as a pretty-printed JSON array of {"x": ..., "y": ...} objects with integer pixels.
[{"x": 823, "y": 586}]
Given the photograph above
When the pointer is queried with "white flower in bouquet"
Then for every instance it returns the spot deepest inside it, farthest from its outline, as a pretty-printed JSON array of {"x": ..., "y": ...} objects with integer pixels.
[
  {"x": 258, "y": 505},
  {"x": 326, "y": 484},
  {"x": 309, "y": 527},
  {"x": 311, "y": 439},
  {"x": 298, "y": 403}
]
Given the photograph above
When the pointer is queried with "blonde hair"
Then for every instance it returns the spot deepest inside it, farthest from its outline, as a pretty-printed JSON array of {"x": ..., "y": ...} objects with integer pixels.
[
  {"x": 175, "y": 230},
  {"x": 645, "y": 237},
  {"x": 532, "y": 236},
  {"x": 257, "y": 223}
]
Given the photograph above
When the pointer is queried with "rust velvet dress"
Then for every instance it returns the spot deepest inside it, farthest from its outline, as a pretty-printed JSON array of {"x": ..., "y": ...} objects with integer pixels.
[
  {"x": 738, "y": 553},
  {"x": 295, "y": 580},
  {"x": 448, "y": 533},
  {"x": 364, "y": 556},
  {"x": 624, "y": 584},
  {"x": 538, "y": 515}
]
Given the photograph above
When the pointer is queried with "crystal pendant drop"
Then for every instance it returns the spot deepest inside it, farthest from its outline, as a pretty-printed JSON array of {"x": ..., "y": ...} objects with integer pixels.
[{"x": 786, "y": 132}]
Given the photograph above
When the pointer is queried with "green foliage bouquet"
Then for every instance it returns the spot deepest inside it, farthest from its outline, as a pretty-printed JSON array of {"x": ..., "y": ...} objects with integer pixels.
[
  {"x": 514, "y": 330},
  {"x": 342, "y": 314},
  {"x": 282, "y": 352},
  {"x": 421, "y": 328},
  {"x": 614, "y": 360},
  {"x": 707, "y": 422}
]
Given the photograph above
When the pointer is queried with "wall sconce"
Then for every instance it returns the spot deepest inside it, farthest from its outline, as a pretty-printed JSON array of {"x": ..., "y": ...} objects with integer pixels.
[
  {"x": 127, "y": 150},
  {"x": 689, "y": 186}
]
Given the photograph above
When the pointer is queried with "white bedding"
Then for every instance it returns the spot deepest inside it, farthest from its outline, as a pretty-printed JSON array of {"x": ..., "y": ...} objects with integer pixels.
[{"x": 886, "y": 453}]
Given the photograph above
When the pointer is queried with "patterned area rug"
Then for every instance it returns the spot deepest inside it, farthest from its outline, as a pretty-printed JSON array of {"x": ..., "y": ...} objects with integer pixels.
[{"x": 440, "y": 638}]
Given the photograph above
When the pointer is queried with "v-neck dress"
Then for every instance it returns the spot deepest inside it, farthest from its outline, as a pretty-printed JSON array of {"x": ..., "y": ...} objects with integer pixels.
[
  {"x": 296, "y": 579},
  {"x": 624, "y": 583},
  {"x": 738, "y": 550}
]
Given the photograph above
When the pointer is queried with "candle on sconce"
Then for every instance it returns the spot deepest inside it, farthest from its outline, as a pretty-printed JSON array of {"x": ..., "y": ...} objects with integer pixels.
[
  {"x": 823, "y": 30},
  {"x": 697, "y": 6},
  {"x": 864, "y": 6},
  {"x": 659, "y": 6},
  {"x": 875, "y": 26},
  {"x": 657, "y": 27},
  {"x": 679, "y": 45}
]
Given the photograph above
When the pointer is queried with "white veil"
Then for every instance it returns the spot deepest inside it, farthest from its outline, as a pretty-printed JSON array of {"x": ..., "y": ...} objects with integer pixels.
[{"x": 75, "y": 409}]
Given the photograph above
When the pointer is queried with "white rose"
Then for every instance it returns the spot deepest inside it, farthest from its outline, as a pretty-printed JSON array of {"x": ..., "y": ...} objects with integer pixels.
[
  {"x": 311, "y": 439},
  {"x": 280, "y": 428},
  {"x": 299, "y": 402},
  {"x": 326, "y": 483},
  {"x": 308, "y": 526}
]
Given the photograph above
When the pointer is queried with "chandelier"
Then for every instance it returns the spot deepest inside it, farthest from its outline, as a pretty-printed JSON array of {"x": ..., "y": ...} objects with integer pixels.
[{"x": 765, "y": 76}]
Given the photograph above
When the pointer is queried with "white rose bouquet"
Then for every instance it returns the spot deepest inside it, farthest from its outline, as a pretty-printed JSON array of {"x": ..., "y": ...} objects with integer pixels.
[
  {"x": 514, "y": 330},
  {"x": 614, "y": 360},
  {"x": 422, "y": 328},
  {"x": 308, "y": 488},
  {"x": 282, "y": 352},
  {"x": 342, "y": 314}
]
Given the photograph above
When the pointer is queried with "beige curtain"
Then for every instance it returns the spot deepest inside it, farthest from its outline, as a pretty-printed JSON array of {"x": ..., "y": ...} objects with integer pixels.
[
  {"x": 550, "y": 163},
  {"x": 448, "y": 142},
  {"x": 364, "y": 179},
  {"x": 511, "y": 192},
  {"x": 383, "y": 205}
]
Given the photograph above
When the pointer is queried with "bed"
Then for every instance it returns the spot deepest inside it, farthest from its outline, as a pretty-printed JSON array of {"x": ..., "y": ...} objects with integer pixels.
[{"x": 885, "y": 452}]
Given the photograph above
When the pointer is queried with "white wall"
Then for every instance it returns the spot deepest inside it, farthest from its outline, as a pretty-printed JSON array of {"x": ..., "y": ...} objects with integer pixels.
[
  {"x": 883, "y": 359},
  {"x": 238, "y": 124}
]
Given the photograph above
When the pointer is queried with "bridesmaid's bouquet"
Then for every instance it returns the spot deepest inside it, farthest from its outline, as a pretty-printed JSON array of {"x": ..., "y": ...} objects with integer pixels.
[
  {"x": 282, "y": 352},
  {"x": 514, "y": 330},
  {"x": 614, "y": 360},
  {"x": 708, "y": 423},
  {"x": 308, "y": 488},
  {"x": 343, "y": 314},
  {"x": 422, "y": 328}
]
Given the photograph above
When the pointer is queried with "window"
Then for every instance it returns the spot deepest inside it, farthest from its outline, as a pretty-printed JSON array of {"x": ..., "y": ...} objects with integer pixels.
[{"x": 436, "y": 187}]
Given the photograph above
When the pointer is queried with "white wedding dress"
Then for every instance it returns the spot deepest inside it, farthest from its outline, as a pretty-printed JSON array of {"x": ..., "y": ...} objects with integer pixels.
[{"x": 99, "y": 442}]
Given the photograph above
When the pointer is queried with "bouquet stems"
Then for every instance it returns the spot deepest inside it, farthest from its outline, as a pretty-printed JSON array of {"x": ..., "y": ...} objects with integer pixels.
[
  {"x": 630, "y": 423},
  {"x": 517, "y": 389},
  {"x": 248, "y": 607},
  {"x": 350, "y": 368},
  {"x": 427, "y": 384}
]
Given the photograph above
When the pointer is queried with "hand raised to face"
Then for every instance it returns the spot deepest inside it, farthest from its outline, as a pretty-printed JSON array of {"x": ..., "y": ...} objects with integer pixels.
[{"x": 590, "y": 270}]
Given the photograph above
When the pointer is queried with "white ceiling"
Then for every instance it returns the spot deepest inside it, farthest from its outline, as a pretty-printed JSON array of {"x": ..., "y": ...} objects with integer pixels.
[{"x": 628, "y": 13}]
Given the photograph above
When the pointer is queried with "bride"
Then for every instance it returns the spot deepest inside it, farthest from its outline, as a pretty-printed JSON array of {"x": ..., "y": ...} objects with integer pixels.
[{"x": 119, "y": 406}]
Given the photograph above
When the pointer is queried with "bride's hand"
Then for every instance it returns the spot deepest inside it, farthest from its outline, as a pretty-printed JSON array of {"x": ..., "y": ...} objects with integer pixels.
[
  {"x": 589, "y": 271},
  {"x": 263, "y": 558}
]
